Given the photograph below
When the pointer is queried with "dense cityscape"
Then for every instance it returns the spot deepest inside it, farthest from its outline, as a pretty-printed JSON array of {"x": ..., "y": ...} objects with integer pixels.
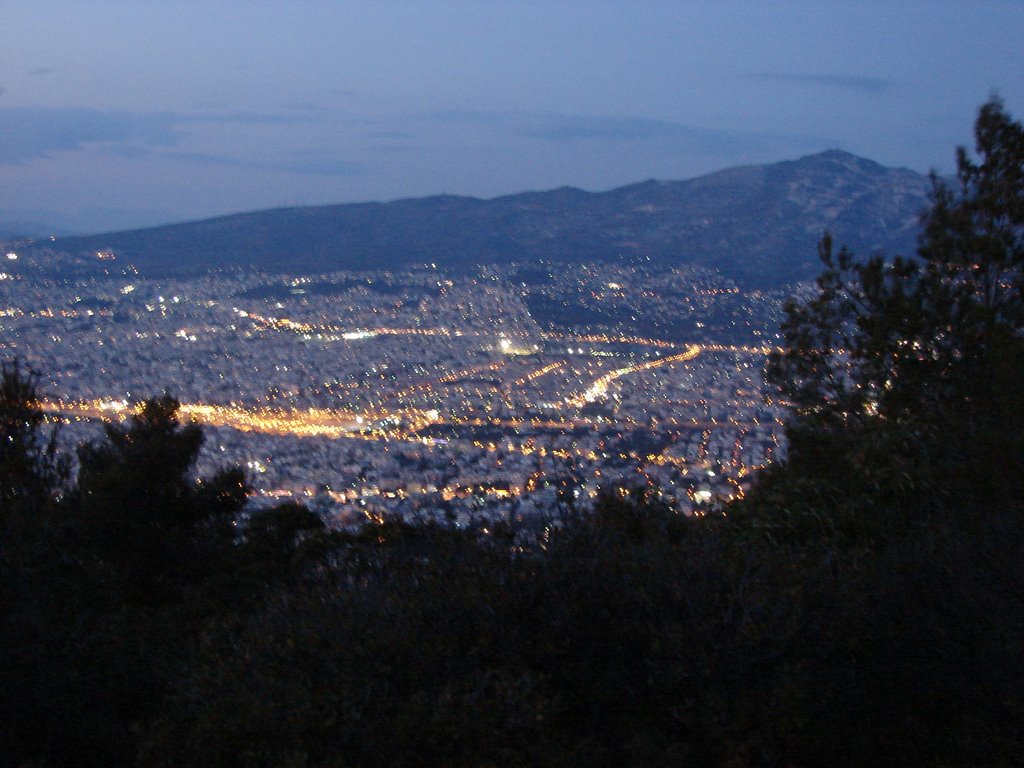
[{"x": 498, "y": 395}]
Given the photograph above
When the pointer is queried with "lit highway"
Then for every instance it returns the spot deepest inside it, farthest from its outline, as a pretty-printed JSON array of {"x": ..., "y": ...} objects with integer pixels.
[{"x": 325, "y": 422}]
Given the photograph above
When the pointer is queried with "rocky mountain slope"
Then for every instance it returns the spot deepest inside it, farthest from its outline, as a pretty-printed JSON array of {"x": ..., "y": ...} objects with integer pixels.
[{"x": 757, "y": 224}]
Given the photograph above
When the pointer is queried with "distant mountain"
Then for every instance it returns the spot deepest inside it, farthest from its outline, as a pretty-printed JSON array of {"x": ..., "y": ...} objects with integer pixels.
[{"x": 757, "y": 224}]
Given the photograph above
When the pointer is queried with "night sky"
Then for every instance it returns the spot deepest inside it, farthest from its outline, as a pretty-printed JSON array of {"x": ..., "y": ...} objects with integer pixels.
[{"x": 119, "y": 114}]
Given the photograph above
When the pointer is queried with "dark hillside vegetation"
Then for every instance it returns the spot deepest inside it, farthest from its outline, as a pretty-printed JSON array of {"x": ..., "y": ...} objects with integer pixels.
[{"x": 863, "y": 605}]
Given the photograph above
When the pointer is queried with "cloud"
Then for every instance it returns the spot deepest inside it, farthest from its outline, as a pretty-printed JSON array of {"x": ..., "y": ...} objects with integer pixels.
[
  {"x": 318, "y": 166},
  {"x": 586, "y": 128},
  {"x": 391, "y": 135},
  {"x": 29, "y": 133},
  {"x": 860, "y": 83},
  {"x": 308, "y": 106},
  {"x": 576, "y": 128},
  {"x": 35, "y": 132},
  {"x": 554, "y": 126},
  {"x": 245, "y": 118},
  {"x": 40, "y": 71},
  {"x": 303, "y": 163}
]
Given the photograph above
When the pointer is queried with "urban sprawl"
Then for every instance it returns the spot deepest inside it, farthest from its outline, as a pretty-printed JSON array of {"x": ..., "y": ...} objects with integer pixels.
[{"x": 499, "y": 395}]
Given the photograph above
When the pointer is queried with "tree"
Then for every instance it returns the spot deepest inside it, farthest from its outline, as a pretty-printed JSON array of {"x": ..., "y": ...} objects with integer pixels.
[
  {"x": 903, "y": 374},
  {"x": 36, "y": 578},
  {"x": 904, "y": 480},
  {"x": 30, "y": 469},
  {"x": 127, "y": 590},
  {"x": 137, "y": 502},
  {"x": 31, "y": 474}
]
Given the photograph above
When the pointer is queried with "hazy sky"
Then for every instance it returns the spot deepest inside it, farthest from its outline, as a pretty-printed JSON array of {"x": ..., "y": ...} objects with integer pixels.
[{"x": 131, "y": 113}]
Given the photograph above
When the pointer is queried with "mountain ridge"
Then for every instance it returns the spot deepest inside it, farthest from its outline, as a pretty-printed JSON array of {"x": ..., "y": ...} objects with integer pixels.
[{"x": 758, "y": 224}]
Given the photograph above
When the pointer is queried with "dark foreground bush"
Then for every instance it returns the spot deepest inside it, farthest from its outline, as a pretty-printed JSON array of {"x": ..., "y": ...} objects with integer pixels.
[{"x": 674, "y": 646}]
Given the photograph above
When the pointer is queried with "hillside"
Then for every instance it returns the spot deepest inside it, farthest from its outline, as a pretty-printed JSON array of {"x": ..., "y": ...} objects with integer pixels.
[{"x": 757, "y": 224}]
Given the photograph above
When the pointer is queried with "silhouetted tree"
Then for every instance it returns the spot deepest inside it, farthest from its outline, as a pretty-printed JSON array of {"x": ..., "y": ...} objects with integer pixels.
[
  {"x": 903, "y": 374},
  {"x": 36, "y": 576},
  {"x": 905, "y": 476},
  {"x": 158, "y": 528},
  {"x": 146, "y": 541},
  {"x": 30, "y": 468}
]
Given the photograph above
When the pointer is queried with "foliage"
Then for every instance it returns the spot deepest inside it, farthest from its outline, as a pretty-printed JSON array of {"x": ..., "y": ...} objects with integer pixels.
[
  {"x": 903, "y": 375},
  {"x": 118, "y": 584},
  {"x": 172, "y": 531},
  {"x": 30, "y": 469},
  {"x": 432, "y": 646},
  {"x": 31, "y": 582}
]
